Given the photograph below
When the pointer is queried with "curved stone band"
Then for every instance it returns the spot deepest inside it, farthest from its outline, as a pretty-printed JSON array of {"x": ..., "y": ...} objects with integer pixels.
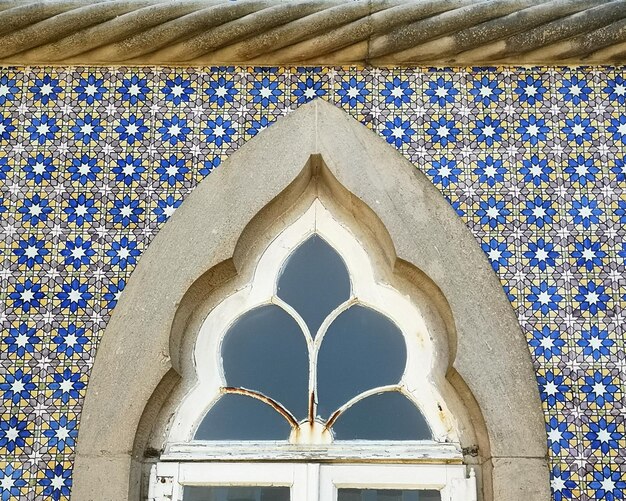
[{"x": 313, "y": 32}]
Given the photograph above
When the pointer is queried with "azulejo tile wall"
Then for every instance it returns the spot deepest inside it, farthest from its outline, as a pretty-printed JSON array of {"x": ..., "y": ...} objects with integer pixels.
[{"x": 93, "y": 161}]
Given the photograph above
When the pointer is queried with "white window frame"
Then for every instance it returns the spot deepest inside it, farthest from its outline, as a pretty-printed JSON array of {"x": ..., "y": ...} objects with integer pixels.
[
  {"x": 315, "y": 470},
  {"x": 312, "y": 481},
  {"x": 450, "y": 480},
  {"x": 168, "y": 480}
]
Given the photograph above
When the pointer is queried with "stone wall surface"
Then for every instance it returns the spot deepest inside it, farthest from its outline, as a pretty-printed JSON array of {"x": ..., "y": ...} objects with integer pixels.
[{"x": 94, "y": 160}]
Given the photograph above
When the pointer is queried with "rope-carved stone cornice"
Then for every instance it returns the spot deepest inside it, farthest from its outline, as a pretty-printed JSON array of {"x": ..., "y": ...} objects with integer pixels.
[{"x": 312, "y": 32}]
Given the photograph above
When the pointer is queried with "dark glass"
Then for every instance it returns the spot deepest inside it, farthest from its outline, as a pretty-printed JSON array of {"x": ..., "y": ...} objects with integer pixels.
[
  {"x": 236, "y": 493},
  {"x": 239, "y": 417},
  {"x": 387, "y": 495},
  {"x": 265, "y": 350},
  {"x": 314, "y": 281},
  {"x": 385, "y": 416},
  {"x": 361, "y": 350}
]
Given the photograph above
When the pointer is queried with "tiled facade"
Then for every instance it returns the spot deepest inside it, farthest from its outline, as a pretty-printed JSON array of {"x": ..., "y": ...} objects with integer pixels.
[{"x": 93, "y": 161}]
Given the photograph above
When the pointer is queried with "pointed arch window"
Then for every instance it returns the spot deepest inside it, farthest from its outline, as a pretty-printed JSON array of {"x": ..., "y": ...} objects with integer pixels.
[
  {"x": 142, "y": 408},
  {"x": 314, "y": 366}
]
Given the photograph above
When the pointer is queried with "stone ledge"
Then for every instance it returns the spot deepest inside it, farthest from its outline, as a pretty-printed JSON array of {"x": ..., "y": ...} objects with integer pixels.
[{"x": 313, "y": 32}]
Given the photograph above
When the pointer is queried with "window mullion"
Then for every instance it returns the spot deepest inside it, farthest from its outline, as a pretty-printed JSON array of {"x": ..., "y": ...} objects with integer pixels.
[{"x": 312, "y": 482}]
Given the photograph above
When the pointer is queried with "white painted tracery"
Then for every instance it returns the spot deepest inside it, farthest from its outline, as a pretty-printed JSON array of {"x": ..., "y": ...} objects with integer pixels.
[
  {"x": 184, "y": 460},
  {"x": 423, "y": 367}
]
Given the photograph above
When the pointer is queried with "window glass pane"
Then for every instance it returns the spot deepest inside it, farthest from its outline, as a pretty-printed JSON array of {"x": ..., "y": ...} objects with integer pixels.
[
  {"x": 239, "y": 417},
  {"x": 386, "y": 416},
  {"x": 361, "y": 350},
  {"x": 266, "y": 351},
  {"x": 314, "y": 281},
  {"x": 387, "y": 495},
  {"x": 236, "y": 493}
]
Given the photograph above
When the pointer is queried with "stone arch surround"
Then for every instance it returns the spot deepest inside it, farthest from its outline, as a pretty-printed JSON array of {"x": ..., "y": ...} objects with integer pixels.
[{"x": 134, "y": 356}]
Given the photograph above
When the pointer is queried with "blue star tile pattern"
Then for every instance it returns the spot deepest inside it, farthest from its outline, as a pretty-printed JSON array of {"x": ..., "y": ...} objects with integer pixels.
[{"x": 94, "y": 160}]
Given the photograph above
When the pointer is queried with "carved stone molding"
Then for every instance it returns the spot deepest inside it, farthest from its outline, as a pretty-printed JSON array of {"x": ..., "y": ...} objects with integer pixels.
[
  {"x": 205, "y": 245},
  {"x": 312, "y": 32}
]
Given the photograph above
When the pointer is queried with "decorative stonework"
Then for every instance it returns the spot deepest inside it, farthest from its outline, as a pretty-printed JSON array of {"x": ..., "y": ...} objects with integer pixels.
[
  {"x": 310, "y": 32},
  {"x": 457, "y": 300}
]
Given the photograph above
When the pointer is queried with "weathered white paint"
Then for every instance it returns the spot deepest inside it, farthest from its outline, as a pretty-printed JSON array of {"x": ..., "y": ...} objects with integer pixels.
[
  {"x": 311, "y": 481},
  {"x": 173, "y": 477},
  {"x": 450, "y": 480},
  {"x": 422, "y": 452},
  {"x": 419, "y": 379},
  {"x": 438, "y": 463}
]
